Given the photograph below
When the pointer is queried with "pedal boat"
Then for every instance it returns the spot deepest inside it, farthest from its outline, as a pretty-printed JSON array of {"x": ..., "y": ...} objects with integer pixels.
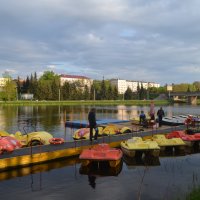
[
  {"x": 190, "y": 140},
  {"x": 137, "y": 146},
  {"x": 84, "y": 133},
  {"x": 165, "y": 143},
  {"x": 101, "y": 152}
]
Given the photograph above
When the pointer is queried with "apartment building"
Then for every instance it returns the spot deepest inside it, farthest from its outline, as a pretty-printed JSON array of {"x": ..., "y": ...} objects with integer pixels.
[
  {"x": 122, "y": 85},
  {"x": 83, "y": 80}
]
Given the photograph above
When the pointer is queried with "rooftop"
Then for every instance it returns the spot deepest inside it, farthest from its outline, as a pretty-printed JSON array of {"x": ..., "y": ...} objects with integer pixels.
[{"x": 74, "y": 76}]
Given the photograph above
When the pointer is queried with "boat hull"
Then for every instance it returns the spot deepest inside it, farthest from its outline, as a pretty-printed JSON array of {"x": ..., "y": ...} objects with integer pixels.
[{"x": 138, "y": 152}]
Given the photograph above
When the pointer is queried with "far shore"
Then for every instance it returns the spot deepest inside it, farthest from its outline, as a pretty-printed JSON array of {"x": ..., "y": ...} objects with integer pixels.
[{"x": 83, "y": 102}]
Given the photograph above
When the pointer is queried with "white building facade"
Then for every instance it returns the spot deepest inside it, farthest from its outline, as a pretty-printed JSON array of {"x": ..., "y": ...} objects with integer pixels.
[
  {"x": 122, "y": 85},
  {"x": 83, "y": 80}
]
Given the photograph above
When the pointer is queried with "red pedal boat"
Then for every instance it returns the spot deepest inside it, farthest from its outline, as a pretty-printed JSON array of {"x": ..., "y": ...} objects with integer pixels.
[
  {"x": 8, "y": 144},
  {"x": 183, "y": 136},
  {"x": 190, "y": 140},
  {"x": 101, "y": 152}
]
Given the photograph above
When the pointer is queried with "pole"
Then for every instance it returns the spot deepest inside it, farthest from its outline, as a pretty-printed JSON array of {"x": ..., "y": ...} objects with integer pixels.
[
  {"x": 16, "y": 94},
  {"x": 59, "y": 94},
  {"x": 94, "y": 95}
]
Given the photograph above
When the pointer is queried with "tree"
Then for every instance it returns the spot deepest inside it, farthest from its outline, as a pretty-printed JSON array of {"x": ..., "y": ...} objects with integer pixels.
[
  {"x": 48, "y": 86},
  {"x": 110, "y": 93},
  {"x": 115, "y": 93},
  {"x": 128, "y": 94},
  {"x": 66, "y": 91},
  {"x": 9, "y": 91},
  {"x": 92, "y": 92},
  {"x": 138, "y": 90},
  {"x": 49, "y": 75},
  {"x": 103, "y": 90},
  {"x": 197, "y": 85},
  {"x": 86, "y": 94}
]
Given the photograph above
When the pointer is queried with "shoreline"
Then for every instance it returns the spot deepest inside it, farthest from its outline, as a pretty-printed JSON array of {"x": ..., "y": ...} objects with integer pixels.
[{"x": 83, "y": 102}]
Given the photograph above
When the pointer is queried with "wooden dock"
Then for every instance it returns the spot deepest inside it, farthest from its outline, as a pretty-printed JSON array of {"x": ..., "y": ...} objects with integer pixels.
[{"x": 43, "y": 153}]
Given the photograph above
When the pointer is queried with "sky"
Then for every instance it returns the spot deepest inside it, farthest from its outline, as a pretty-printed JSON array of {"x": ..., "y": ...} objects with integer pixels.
[{"x": 142, "y": 40}]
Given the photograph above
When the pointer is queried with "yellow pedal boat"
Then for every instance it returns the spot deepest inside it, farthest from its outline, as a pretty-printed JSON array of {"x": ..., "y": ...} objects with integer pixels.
[
  {"x": 163, "y": 142},
  {"x": 136, "y": 145}
]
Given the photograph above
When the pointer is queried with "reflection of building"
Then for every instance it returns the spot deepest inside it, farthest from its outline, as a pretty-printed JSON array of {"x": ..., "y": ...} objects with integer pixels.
[
  {"x": 122, "y": 85},
  {"x": 122, "y": 113},
  {"x": 83, "y": 80}
]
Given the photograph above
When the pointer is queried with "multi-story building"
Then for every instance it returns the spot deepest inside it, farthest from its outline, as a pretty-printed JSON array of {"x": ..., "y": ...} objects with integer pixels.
[
  {"x": 83, "y": 80},
  {"x": 122, "y": 85}
]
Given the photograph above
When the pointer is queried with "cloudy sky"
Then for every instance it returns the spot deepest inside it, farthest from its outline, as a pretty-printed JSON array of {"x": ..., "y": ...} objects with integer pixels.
[{"x": 149, "y": 40}]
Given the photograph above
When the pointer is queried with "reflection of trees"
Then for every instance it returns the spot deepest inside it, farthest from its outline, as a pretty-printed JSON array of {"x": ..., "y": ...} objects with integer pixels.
[
  {"x": 8, "y": 117},
  {"x": 49, "y": 116},
  {"x": 38, "y": 117}
]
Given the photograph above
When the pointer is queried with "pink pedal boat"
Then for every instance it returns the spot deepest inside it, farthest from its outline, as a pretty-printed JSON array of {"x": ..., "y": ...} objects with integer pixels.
[{"x": 101, "y": 152}]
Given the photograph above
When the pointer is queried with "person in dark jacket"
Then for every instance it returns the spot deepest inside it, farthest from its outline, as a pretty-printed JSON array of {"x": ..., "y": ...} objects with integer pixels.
[
  {"x": 143, "y": 119},
  {"x": 160, "y": 115},
  {"x": 92, "y": 123}
]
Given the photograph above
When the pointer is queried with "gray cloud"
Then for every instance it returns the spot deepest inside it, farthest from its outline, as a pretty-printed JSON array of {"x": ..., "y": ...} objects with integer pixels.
[{"x": 154, "y": 40}]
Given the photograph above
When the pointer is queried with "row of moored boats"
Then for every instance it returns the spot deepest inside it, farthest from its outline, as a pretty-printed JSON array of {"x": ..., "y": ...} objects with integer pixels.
[{"x": 148, "y": 145}]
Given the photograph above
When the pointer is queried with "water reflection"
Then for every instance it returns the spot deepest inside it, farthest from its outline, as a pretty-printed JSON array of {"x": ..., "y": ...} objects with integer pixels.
[
  {"x": 141, "y": 161},
  {"x": 52, "y": 118},
  {"x": 35, "y": 169},
  {"x": 99, "y": 169}
]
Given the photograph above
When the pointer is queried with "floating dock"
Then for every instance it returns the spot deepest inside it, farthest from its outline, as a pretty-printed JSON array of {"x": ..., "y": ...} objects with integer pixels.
[
  {"x": 43, "y": 153},
  {"x": 84, "y": 123}
]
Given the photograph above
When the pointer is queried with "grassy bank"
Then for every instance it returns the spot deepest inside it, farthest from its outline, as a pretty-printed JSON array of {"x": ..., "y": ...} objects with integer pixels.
[{"x": 99, "y": 102}]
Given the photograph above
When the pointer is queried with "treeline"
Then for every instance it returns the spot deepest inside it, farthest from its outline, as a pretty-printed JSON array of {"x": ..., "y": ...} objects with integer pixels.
[
  {"x": 48, "y": 87},
  {"x": 143, "y": 94}
]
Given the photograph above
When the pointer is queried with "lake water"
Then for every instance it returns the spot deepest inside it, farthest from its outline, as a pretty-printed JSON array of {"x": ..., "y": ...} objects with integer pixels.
[{"x": 169, "y": 177}]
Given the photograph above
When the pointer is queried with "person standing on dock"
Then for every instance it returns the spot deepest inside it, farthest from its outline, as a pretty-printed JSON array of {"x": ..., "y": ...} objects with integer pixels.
[
  {"x": 152, "y": 111},
  {"x": 92, "y": 123},
  {"x": 160, "y": 115}
]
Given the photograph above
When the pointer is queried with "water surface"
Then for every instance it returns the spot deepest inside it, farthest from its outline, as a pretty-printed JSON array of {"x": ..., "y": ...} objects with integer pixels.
[{"x": 170, "y": 177}]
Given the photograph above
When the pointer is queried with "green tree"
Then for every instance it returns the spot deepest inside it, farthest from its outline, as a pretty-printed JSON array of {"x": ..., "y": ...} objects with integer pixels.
[
  {"x": 103, "y": 90},
  {"x": 128, "y": 94},
  {"x": 196, "y": 84},
  {"x": 115, "y": 93},
  {"x": 86, "y": 94},
  {"x": 66, "y": 91},
  {"x": 9, "y": 91},
  {"x": 48, "y": 86},
  {"x": 138, "y": 91},
  {"x": 110, "y": 93}
]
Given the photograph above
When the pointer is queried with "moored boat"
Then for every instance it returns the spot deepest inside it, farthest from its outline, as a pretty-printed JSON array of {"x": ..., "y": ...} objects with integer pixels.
[
  {"x": 190, "y": 140},
  {"x": 164, "y": 142},
  {"x": 172, "y": 121},
  {"x": 136, "y": 146},
  {"x": 8, "y": 144},
  {"x": 84, "y": 133},
  {"x": 32, "y": 155},
  {"x": 101, "y": 152}
]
